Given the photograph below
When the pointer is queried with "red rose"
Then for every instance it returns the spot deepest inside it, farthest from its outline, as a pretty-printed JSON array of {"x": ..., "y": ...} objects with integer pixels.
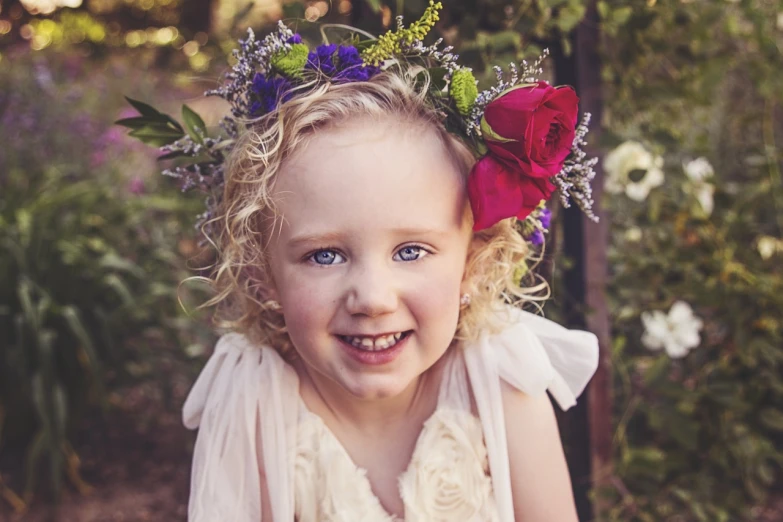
[{"x": 529, "y": 131}]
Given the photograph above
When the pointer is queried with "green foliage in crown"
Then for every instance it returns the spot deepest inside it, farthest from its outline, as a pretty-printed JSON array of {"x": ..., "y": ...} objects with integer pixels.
[{"x": 392, "y": 42}]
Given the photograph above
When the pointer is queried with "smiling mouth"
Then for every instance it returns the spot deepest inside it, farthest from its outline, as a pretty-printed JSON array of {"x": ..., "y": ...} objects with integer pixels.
[{"x": 375, "y": 344}]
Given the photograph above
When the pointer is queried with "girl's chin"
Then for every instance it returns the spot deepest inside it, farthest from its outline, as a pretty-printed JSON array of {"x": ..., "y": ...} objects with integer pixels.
[{"x": 374, "y": 387}]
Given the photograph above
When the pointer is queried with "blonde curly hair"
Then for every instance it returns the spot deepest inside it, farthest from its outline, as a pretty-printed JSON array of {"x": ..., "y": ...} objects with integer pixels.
[{"x": 247, "y": 217}]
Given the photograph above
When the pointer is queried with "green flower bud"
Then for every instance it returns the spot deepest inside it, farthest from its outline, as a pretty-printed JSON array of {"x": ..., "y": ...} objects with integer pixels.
[
  {"x": 463, "y": 90},
  {"x": 291, "y": 63}
]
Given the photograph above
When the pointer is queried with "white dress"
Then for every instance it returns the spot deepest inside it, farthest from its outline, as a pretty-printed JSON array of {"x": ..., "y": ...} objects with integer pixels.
[{"x": 247, "y": 400}]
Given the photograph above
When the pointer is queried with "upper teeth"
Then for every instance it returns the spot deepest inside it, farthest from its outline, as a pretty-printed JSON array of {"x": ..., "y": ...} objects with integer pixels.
[{"x": 374, "y": 343}]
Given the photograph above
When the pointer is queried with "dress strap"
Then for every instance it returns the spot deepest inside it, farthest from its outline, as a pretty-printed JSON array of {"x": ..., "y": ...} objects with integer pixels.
[
  {"x": 534, "y": 355},
  {"x": 454, "y": 390},
  {"x": 244, "y": 398}
]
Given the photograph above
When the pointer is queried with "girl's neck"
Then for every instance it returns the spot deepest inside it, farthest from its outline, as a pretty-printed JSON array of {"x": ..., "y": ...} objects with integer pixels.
[{"x": 326, "y": 399}]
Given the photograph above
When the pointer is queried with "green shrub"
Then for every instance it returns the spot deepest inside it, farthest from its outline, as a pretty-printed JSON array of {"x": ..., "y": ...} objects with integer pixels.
[
  {"x": 698, "y": 437},
  {"x": 91, "y": 252}
]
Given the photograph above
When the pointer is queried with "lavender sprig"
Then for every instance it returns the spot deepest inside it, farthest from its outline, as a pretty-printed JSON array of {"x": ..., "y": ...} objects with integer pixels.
[
  {"x": 529, "y": 74},
  {"x": 573, "y": 181}
]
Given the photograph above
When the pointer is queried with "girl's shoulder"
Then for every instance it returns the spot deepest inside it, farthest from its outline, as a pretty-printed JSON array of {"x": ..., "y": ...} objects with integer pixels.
[
  {"x": 241, "y": 403},
  {"x": 534, "y": 354},
  {"x": 509, "y": 372},
  {"x": 237, "y": 368}
]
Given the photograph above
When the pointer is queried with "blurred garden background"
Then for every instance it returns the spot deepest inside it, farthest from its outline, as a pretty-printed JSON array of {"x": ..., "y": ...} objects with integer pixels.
[{"x": 100, "y": 339}]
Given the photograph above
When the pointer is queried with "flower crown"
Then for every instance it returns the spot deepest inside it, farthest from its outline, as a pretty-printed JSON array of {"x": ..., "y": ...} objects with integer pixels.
[{"x": 524, "y": 131}]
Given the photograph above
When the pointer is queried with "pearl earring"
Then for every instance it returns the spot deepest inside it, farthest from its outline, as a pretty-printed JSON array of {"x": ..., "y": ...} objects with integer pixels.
[{"x": 464, "y": 299}]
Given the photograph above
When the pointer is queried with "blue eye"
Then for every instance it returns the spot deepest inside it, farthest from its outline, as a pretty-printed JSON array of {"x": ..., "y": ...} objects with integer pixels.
[
  {"x": 411, "y": 253},
  {"x": 326, "y": 257}
]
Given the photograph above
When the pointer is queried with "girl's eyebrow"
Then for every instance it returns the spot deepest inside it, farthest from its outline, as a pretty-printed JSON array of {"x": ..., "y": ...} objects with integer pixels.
[
  {"x": 327, "y": 237},
  {"x": 332, "y": 237}
]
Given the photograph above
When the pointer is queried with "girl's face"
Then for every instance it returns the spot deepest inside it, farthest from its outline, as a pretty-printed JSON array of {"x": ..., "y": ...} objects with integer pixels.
[{"x": 373, "y": 243}]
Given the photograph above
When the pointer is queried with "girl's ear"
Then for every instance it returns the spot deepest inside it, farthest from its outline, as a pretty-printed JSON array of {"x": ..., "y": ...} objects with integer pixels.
[
  {"x": 468, "y": 273},
  {"x": 265, "y": 289}
]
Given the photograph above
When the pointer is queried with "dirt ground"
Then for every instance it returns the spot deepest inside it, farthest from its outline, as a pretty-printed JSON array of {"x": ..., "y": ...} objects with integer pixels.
[{"x": 136, "y": 462}]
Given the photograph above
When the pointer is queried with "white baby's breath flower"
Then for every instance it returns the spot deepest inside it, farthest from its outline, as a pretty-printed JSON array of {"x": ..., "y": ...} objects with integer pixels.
[
  {"x": 677, "y": 332},
  {"x": 626, "y": 158},
  {"x": 698, "y": 170}
]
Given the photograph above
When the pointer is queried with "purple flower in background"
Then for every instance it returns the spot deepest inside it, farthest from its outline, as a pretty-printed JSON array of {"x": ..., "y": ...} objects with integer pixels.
[
  {"x": 322, "y": 59},
  {"x": 295, "y": 39},
  {"x": 136, "y": 185},
  {"x": 268, "y": 93}
]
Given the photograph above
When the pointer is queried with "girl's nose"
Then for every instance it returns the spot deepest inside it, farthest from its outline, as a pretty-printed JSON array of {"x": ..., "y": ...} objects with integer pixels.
[{"x": 371, "y": 292}]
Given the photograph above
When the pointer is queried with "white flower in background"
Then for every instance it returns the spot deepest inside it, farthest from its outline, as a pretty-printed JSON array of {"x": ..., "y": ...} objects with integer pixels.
[
  {"x": 626, "y": 158},
  {"x": 677, "y": 332},
  {"x": 698, "y": 172},
  {"x": 633, "y": 234},
  {"x": 704, "y": 192},
  {"x": 768, "y": 246},
  {"x": 780, "y": 21}
]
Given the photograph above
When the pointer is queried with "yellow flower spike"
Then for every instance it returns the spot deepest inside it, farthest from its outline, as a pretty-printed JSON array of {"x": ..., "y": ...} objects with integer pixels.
[
  {"x": 520, "y": 271},
  {"x": 390, "y": 43}
]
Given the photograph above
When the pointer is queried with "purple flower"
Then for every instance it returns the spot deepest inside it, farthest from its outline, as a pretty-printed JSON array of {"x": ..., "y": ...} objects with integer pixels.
[
  {"x": 348, "y": 56},
  {"x": 351, "y": 67},
  {"x": 267, "y": 93},
  {"x": 295, "y": 39},
  {"x": 545, "y": 217},
  {"x": 537, "y": 237},
  {"x": 322, "y": 59}
]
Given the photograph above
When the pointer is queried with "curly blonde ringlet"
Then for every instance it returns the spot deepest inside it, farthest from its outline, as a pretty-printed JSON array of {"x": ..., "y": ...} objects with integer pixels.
[{"x": 247, "y": 218}]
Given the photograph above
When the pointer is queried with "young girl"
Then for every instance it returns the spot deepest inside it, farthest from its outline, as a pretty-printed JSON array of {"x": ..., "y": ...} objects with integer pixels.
[{"x": 377, "y": 368}]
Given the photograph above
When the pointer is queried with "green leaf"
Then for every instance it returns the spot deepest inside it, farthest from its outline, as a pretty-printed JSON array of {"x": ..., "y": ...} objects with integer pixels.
[
  {"x": 72, "y": 316},
  {"x": 375, "y": 5},
  {"x": 113, "y": 261},
  {"x": 143, "y": 108},
  {"x": 621, "y": 15},
  {"x": 135, "y": 122},
  {"x": 31, "y": 462},
  {"x": 156, "y": 136},
  {"x": 569, "y": 17},
  {"x": 772, "y": 418},
  {"x": 194, "y": 123},
  {"x": 657, "y": 370},
  {"x": 505, "y": 40},
  {"x": 153, "y": 114},
  {"x": 361, "y": 45},
  {"x": 171, "y": 155},
  {"x": 121, "y": 288},
  {"x": 437, "y": 78}
]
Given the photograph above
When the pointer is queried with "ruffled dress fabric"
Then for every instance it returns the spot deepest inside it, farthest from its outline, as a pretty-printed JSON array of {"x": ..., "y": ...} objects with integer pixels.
[{"x": 247, "y": 407}]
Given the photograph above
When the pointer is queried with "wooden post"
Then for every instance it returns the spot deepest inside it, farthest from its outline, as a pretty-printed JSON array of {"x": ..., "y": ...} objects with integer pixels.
[{"x": 589, "y": 433}]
